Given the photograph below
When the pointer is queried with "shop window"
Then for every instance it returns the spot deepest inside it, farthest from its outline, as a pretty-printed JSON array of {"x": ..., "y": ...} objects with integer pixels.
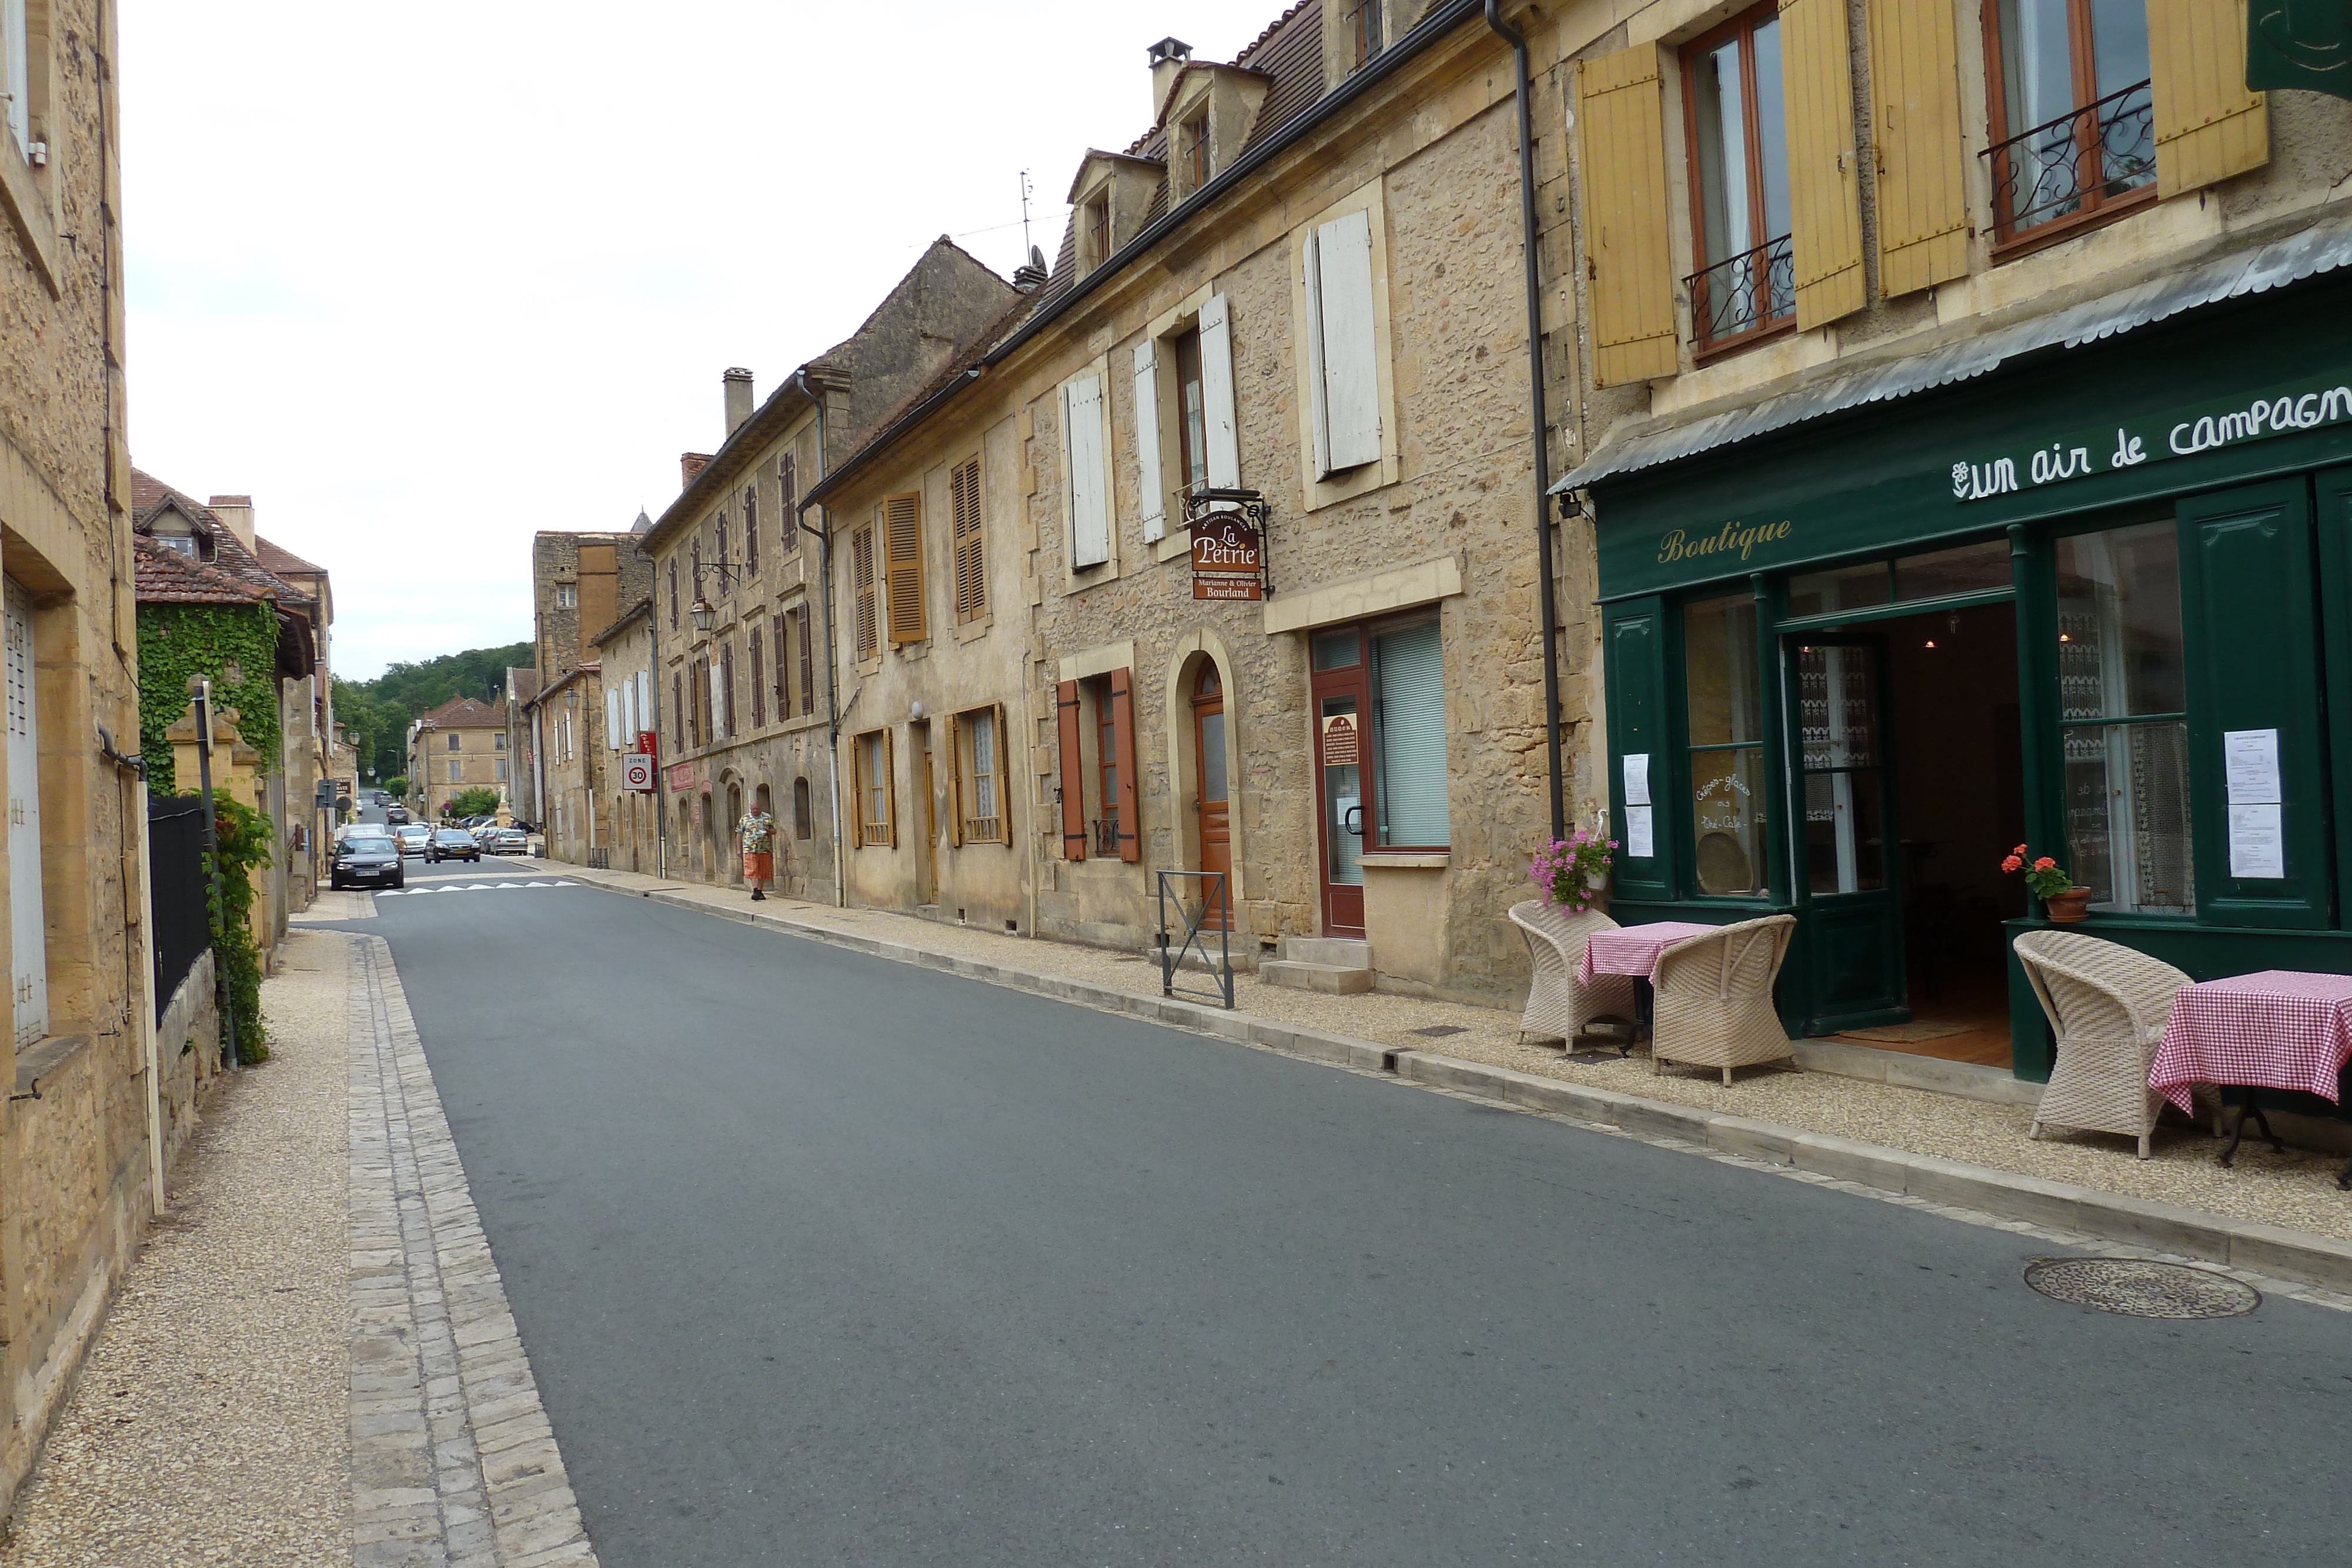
[
  {"x": 1747, "y": 284},
  {"x": 1724, "y": 702},
  {"x": 2072, "y": 112},
  {"x": 2123, "y": 710},
  {"x": 1409, "y": 724},
  {"x": 1837, "y": 716},
  {"x": 1981, "y": 567}
]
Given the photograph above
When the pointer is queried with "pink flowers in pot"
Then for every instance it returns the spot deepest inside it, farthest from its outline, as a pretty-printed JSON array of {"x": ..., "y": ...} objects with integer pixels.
[
  {"x": 1571, "y": 872},
  {"x": 2043, "y": 875}
]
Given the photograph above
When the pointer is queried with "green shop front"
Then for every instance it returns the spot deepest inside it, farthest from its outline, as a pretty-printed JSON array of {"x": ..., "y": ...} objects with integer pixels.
[{"x": 2092, "y": 597}]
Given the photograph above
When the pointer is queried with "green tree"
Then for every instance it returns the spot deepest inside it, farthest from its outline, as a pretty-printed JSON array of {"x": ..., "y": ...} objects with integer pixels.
[
  {"x": 396, "y": 787},
  {"x": 407, "y": 688},
  {"x": 478, "y": 801}
]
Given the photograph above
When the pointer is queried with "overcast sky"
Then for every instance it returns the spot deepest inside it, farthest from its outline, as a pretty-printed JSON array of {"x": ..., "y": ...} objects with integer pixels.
[{"x": 425, "y": 281}]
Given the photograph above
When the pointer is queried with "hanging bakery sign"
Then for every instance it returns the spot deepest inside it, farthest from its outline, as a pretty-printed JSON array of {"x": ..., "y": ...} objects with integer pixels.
[{"x": 1228, "y": 544}]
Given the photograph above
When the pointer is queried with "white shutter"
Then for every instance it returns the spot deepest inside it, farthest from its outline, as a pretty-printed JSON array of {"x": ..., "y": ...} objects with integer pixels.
[
  {"x": 1217, "y": 393},
  {"x": 1344, "y": 361},
  {"x": 1147, "y": 439},
  {"x": 15, "y": 60},
  {"x": 719, "y": 695},
  {"x": 29, "y": 927},
  {"x": 1082, "y": 442},
  {"x": 613, "y": 720}
]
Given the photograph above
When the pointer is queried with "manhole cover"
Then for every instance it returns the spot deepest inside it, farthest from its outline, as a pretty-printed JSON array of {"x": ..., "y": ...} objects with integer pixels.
[
  {"x": 1438, "y": 1031},
  {"x": 2139, "y": 1288}
]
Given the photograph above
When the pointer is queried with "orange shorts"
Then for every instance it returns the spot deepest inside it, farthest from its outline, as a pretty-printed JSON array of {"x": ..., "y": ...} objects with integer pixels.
[{"x": 759, "y": 867}]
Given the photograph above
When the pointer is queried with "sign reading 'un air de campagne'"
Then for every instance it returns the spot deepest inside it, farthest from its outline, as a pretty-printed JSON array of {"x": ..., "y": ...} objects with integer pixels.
[{"x": 2280, "y": 411}]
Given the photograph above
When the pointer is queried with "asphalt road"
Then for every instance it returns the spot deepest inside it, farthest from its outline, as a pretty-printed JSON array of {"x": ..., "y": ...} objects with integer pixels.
[{"x": 825, "y": 1259}]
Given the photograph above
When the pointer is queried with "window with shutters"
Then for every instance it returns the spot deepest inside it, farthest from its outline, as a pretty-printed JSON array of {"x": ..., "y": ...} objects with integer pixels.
[
  {"x": 876, "y": 801},
  {"x": 1094, "y": 232},
  {"x": 454, "y": 739},
  {"x": 1361, "y": 20},
  {"x": 1191, "y": 415},
  {"x": 723, "y": 696},
  {"x": 751, "y": 528},
  {"x": 1342, "y": 344},
  {"x": 780, "y": 642},
  {"x": 804, "y": 810},
  {"x": 1738, "y": 142},
  {"x": 982, "y": 777},
  {"x": 718, "y": 525},
  {"x": 1193, "y": 147},
  {"x": 498, "y": 743},
  {"x": 677, "y": 708},
  {"x": 1102, "y": 715},
  {"x": 672, "y": 596},
  {"x": 759, "y": 681},
  {"x": 1408, "y": 692},
  {"x": 970, "y": 543},
  {"x": 2073, "y": 113},
  {"x": 902, "y": 554},
  {"x": 20, "y": 58},
  {"x": 865, "y": 625},
  {"x": 453, "y": 770},
  {"x": 808, "y": 640}
]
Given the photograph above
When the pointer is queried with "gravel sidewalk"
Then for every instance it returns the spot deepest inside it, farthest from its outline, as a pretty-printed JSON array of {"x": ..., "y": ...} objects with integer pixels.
[
  {"x": 211, "y": 1422},
  {"x": 2296, "y": 1189}
]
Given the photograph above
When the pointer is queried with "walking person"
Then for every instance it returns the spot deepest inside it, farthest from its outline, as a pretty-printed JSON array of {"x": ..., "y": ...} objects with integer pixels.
[{"x": 756, "y": 834}]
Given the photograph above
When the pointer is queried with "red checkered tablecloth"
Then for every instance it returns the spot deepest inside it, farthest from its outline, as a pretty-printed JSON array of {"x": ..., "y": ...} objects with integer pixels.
[
  {"x": 1634, "y": 949},
  {"x": 2278, "y": 1030}
]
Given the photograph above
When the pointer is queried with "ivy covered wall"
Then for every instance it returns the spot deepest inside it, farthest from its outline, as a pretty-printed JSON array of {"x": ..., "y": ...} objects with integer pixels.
[{"x": 237, "y": 645}]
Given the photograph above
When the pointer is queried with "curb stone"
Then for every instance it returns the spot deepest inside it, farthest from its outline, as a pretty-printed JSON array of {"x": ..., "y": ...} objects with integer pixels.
[{"x": 2291, "y": 1255}]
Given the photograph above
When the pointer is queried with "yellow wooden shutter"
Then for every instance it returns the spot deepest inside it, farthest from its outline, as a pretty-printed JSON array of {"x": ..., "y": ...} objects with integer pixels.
[
  {"x": 970, "y": 550},
  {"x": 2208, "y": 126},
  {"x": 861, "y": 570},
  {"x": 1004, "y": 778},
  {"x": 1825, "y": 186},
  {"x": 1622, "y": 144},
  {"x": 902, "y": 555},
  {"x": 857, "y": 792},
  {"x": 1923, "y": 205},
  {"x": 891, "y": 787}
]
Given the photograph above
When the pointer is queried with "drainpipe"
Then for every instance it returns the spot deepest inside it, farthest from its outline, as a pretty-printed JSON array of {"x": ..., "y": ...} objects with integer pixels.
[
  {"x": 1528, "y": 237},
  {"x": 831, "y": 665}
]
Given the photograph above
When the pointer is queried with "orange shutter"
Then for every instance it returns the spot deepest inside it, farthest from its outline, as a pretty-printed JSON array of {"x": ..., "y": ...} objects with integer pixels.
[
  {"x": 2208, "y": 126},
  {"x": 970, "y": 550},
  {"x": 902, "y": 555},
  {"x": 1122, "y": 720},
  {"x": 1073, "y": 783},
  {"x": 1622, "y": 149},
  {"x": 1824, "y": 181},
  {"x": 1923, "y": 202}
]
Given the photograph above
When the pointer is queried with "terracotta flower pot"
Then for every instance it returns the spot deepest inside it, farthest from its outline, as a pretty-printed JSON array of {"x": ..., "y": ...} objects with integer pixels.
[{"x": 2066, "y": 908}]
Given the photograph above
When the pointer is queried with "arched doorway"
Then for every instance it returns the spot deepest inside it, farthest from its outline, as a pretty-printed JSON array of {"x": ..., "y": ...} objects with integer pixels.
[
  {"x": 706, "y": 837},
  {"x": 1210, "y": 797}
]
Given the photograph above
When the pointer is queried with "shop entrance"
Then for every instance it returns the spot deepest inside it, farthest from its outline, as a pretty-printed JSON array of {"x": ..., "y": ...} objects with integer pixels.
[{"x": 1909, "y": 777}]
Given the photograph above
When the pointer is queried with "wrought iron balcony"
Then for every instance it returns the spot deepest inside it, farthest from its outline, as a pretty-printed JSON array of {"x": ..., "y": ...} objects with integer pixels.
[
  {"x": 1744, "y": 294},
  {"x": 2075, "y": 164},
  {"x": 1106, "y": 836}
]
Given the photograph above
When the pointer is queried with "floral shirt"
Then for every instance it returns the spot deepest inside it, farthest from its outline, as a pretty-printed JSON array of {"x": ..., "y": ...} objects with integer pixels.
[{"x": 758, "y": 831}]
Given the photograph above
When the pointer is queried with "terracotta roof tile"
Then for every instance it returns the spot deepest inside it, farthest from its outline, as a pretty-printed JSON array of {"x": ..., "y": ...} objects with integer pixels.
[
  {"x": 467, "y": 712},
  {"x": 229, "y": 554},
  {"x": 164, "y": 576},
  {"x": 278, "y": 557}
]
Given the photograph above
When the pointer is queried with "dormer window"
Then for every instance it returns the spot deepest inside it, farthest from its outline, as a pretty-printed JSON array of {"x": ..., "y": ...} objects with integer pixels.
[
  {"x": 1097, "y": 230},
  {"x": 179, "y": 544},
  {"x": 1210, "y": 114},
  {"x": 1361, "y": 20},
  {"x": 1109, "y": 201},
  {"x": 1192, "y": 144}
]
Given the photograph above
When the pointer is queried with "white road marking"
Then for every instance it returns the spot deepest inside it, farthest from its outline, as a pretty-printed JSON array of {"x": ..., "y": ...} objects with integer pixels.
[{"x": 469, "y": 887}]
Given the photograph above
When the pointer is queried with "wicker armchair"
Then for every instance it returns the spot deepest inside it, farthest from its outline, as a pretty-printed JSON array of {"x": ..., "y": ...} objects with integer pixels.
[
  {"x": 2108, "y": 1005},
  {"x": 1715, "y": 997},
  {"x": 1560, "y": 1006}
]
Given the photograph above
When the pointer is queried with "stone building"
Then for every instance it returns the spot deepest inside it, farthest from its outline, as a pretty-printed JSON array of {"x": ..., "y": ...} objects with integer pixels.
[
  {"x": 567, "y": 725},
  {"x": 743, "y": 673},
  {"x": 625, "y": 659},
  {"x": 1974, "y": 476},
  {"x": 457, "y": 746},
  {"x": 525, "y": 795},
  {"x": 1305, "y": 280},
  {"x": 579, "y": 583},
  {"x": 82, "y": 1162}
]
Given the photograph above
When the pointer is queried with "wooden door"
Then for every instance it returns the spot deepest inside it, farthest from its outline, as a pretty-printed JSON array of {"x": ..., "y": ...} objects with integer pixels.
[
  {"x": 1850, "y": 875},
  {"x": 1341, "y": 703},
  {"x": 1209, "y": 798}
]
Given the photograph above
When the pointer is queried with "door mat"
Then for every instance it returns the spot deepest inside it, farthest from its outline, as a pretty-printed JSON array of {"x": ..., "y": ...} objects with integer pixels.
[
  {"x": 1590, "y": 1057},
  {"x": 1906, "y": 1033}
]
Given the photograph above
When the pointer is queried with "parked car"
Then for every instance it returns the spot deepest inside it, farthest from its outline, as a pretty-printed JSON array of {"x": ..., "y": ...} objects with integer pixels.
[
  {"x": 503, "y": 841},
  {"x": 412, "y": 837},
  {"x": 452, "y": 844},
  {"x": 370, "y": 860}
]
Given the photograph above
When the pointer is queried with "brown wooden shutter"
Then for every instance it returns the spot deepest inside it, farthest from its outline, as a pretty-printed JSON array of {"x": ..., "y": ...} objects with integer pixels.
[
  {"x": 890, "y": 788},
  {"x": 1122, "y": 720},
  {"x": 865, "y": 626},
  {"x": 726, "y": 688},
  {"x": 955, "y": 781},
  {"x": 902, "y": 555},
  {"x": 1824, "y": 184},
  {"x": 779, "y": 639},
  {"x": 971, "y": 543},
  {"x": 2208, "y": 126},
  {"x": 759, "y": 680},
  {"x": 1923, "y": 203},
  {"x": 1073, "y": 783},
  {"x": 808, "y": 661},
  {"x": 1622, "y": 144},
  {"x": 857, "y": 792},
  {"x": 1004, "y": 778}
]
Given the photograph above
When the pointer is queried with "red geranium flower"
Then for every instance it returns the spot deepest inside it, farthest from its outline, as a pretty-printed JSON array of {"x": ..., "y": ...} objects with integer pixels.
[
  {"x": 2012, "y": 863},
  {"x": 2044, "y": 863}
]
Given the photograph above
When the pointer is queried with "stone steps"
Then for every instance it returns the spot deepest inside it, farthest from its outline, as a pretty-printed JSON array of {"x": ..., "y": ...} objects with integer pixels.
[{"x": 1339, "y": 965}]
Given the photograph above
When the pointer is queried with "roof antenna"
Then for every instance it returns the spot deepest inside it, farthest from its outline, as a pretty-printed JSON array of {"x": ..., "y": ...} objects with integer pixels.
[
  {"x": 1030, "y": 276},
  {"x": 1025, "y": 211}
]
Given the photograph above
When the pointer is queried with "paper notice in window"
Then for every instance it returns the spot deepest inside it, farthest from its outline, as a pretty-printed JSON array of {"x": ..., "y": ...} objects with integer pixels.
[
  {"x": 1637, "y": 778},
  {"x": 1641, "y": 832},
  {"x": 2250, "y": 761},
  {"x": 2257, "y": 843}
]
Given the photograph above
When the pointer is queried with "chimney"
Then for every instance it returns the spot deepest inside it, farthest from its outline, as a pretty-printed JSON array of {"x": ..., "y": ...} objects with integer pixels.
[
  {"x": 235, "y": 513},
  {"x": 737, "y": 382},
  {"x": 1168, "y": 56},
  {"x": 1031, "y": 275},
  {"x": 689, "y": 464}
]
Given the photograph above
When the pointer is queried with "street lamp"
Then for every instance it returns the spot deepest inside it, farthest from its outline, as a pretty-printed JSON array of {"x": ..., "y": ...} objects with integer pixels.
[{"x": 704, "y": 614}]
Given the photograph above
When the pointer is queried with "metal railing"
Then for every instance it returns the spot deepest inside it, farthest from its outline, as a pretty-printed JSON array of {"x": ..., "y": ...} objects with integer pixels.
[
  {"x": 1216, "y": 893},
  {"x": 1745, "y": 294},
  {"x": 982, "y": 830},
  {"x": 1106, "y": 836},
  {"x": 2075, "y": 163}
]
